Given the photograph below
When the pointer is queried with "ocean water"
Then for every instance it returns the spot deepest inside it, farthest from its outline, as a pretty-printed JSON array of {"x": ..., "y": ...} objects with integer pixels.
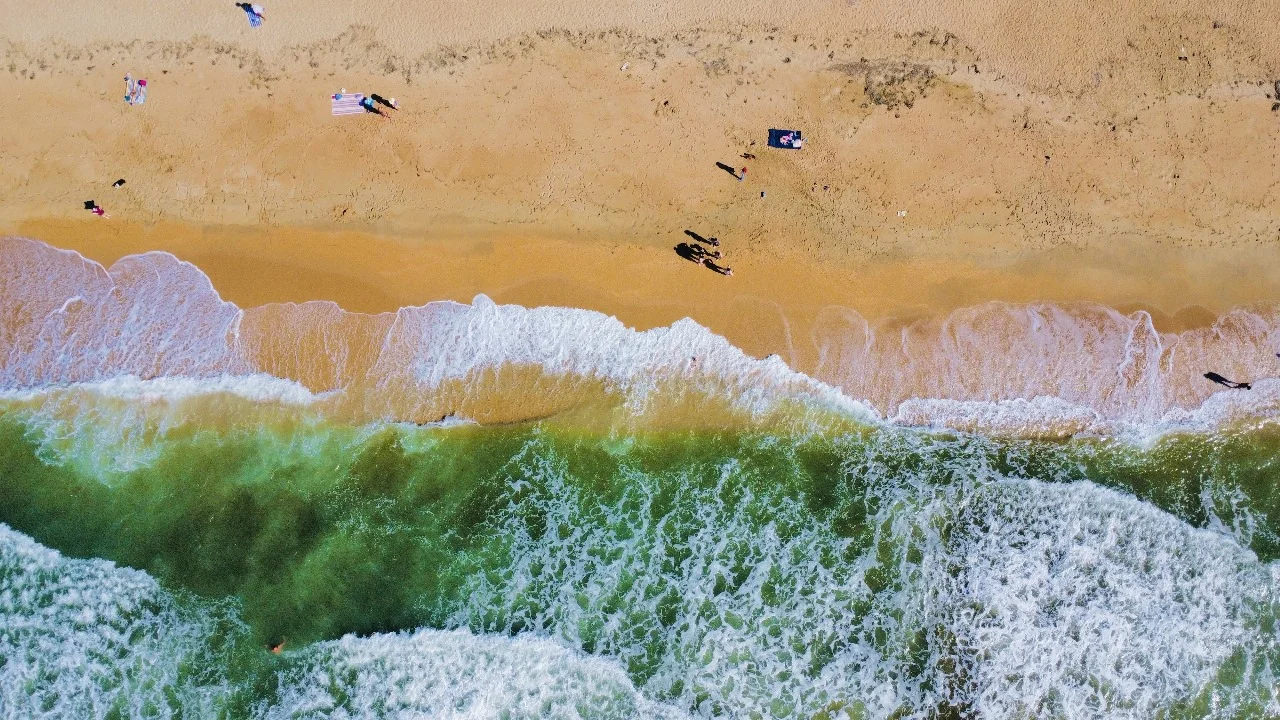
[{"x": 483, "y": 511}]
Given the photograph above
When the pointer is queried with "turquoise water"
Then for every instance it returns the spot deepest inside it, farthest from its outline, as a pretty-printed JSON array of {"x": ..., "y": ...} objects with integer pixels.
[{"x": 539, "y": 570}]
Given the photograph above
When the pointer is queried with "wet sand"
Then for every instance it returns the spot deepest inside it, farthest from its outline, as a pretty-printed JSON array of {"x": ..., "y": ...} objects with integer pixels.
[{"x": 527, "y": 165}]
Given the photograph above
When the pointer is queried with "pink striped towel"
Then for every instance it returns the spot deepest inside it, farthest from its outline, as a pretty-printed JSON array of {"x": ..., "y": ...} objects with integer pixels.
[{"x": 347, "y": 103}]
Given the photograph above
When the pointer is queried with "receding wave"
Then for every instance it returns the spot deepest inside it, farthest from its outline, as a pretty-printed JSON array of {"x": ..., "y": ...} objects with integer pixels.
[{"x": 1038, "y": 370}]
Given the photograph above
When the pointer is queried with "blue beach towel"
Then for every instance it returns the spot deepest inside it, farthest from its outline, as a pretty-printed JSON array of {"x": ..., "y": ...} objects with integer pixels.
[{"x": 254, "y": 18}]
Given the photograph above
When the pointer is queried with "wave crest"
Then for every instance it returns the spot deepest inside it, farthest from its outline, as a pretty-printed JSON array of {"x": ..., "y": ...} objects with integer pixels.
[{"x": 1039, "y": 369}]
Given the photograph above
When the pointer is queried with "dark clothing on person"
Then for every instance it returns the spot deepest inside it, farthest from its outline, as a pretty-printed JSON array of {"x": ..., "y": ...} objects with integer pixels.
[
  {"x": 692, "y": 253},
  {"x": 717, "y": 268},
  {"x": 1215, "y": 377}
]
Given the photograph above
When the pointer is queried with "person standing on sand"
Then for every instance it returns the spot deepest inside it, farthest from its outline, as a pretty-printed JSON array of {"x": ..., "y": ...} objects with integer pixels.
[
  {"x": 383, "y": 101},
  {"x": 1215, "y": 377},
  {"x": 717, "y": 268},
  {"x": 367, "y": 104},
  {"x": 742, "y": 175}
]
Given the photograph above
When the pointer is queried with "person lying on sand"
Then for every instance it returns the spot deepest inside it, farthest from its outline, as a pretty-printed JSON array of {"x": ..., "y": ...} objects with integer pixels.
[
  {"x": 717, "y": 268},
  {"x": 255, "y": 13},
  {"x": 367, "y": 104},
  {"x": 1215, "y": 377},
  {"x": 383, "y": 101}
]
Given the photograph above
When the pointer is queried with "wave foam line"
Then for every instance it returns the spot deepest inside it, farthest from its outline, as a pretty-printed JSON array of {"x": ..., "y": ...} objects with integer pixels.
[
  {"x": 85, "y": 638},
  {"x": 1038, "y": 369}
]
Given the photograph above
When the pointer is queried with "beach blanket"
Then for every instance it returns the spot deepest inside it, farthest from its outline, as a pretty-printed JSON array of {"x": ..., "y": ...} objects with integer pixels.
[
  {"x": 347, "y": 103},
  {"x": 785, "y": 139},
  {"x": 135, "y": 91}
]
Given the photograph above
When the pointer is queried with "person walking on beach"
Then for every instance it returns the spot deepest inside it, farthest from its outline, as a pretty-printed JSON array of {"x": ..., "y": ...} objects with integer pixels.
[
  {"x": 383, "y": 101},
  {"x": 717, "y": 268},
  {"x": 1215, "y": 377}
]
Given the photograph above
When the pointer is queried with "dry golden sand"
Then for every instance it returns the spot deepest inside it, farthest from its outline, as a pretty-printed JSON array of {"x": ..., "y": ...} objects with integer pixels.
[{"x": 1052, "y": 151}]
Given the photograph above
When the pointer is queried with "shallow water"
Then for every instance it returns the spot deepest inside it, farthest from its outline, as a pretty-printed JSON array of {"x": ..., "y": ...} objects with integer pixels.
[
  {"x": 667, "y": 527},
  {"x": 866, "y": 570}
]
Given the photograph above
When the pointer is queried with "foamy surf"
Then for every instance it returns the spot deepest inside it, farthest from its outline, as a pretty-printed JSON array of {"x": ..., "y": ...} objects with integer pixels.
[
  {"x": 518, "y": 572},
  {"x": 1032, "y": 371},
  {"x": 84, "y": 638}
]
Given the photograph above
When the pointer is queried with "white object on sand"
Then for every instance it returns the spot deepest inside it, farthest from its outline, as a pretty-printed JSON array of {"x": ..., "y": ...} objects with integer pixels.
[
  {"x": 625, "y": 66},
  {"x": 902, "y": 213}
]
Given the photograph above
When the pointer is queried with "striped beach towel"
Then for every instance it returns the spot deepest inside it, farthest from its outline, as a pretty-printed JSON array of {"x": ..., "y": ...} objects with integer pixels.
[
  {"x": 347, "y": 103},
  {"x": 135, "y": 90}
]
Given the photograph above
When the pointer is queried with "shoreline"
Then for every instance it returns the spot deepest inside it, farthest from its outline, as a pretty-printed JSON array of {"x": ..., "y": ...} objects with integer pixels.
[
  {"x": 371, "y": 273},
  {"x": 531, "y": 358},
  {"x": 560, "y": 168}
]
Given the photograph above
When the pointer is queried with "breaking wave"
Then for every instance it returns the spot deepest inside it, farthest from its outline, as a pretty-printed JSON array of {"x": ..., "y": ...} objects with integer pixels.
[
  {"x": 1038, "y": 370},
  {"x": 488, "y": 572},
  {"x": 945, "y": 519}
]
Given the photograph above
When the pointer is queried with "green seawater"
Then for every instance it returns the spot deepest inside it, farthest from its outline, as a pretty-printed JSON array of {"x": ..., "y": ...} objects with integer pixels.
[{"x": 847, "y": 572}]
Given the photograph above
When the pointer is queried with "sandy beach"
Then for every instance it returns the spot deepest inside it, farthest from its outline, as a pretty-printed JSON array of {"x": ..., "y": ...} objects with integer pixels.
[
  {"x": 1125, "y": 155},
  {"x": 426, "y": 415}
]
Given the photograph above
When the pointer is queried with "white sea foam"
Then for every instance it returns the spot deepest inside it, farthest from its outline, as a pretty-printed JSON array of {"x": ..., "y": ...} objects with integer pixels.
[
  {"x": 1009, "y": 598},
  {"x": 1092, "y": 358},
  {"x": 256, "y": 388},
  {"x": 429, "y": 345},
  {"x": 456, "y": 675},
  {"x": 151, "y": 315},
  {"x": 120, "y": 424},
  {"x": 1048, "y": 417},
  {"x": 84, "y": 638},
  {"x": 1081, "y": 602},
  {"x": 1039, "y": 369}
]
